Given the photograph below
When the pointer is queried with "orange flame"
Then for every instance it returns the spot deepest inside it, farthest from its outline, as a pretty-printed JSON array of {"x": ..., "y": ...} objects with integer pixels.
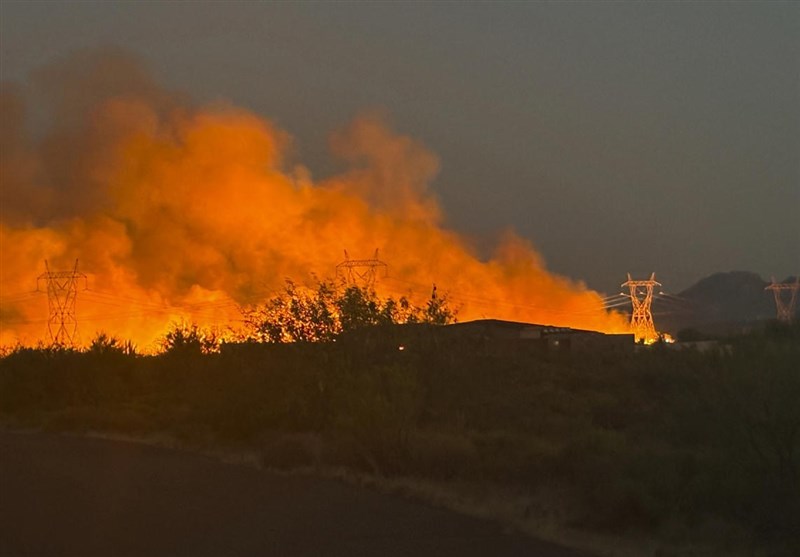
[{"x": 177, "y": 212}]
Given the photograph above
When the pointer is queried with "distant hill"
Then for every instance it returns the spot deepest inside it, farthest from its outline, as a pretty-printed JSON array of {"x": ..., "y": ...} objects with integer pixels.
[{"x": 722, "y": 301}]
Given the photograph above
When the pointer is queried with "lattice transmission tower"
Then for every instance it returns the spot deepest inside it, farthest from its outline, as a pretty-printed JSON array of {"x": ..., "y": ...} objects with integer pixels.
[
  {"x": 361, "y": 272},
  {"x": 641, "y": 297},
  {"x": 786, "y": 309},
  {"x": 62, "y": 291}
]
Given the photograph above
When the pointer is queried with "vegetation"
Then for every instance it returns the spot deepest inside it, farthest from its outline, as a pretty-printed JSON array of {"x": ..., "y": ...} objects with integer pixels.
[
  {"x": 658, "y": 442},
  {"x": 299, "y": 315}
]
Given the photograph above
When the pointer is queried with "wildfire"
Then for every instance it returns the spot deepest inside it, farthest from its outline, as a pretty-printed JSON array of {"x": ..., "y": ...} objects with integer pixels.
[{"x": 179, "y": 212}]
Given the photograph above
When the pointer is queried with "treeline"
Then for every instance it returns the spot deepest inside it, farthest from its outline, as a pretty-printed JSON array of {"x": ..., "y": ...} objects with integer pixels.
[
  {"x": 680, "y": 443},
  {"x": 321, "y": 314}
]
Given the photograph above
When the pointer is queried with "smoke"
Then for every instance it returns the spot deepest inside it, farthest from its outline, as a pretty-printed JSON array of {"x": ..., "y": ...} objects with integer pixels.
[{"x": 180, "y": 211}]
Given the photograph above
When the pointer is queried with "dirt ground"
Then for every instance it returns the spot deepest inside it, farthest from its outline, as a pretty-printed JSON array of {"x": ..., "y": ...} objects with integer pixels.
[{"x": 74, "y": 496}]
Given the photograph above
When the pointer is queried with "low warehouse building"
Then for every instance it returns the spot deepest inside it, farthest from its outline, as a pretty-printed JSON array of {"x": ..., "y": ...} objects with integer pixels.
[{"x": 500, "y": 333}]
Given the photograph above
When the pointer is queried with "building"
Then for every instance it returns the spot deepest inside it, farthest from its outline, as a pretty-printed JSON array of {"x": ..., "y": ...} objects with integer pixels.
[{"x": 495, "y": 333}]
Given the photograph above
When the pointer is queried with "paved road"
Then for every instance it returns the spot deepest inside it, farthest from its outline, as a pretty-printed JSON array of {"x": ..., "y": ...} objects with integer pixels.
[{"x": 72, "y": 496}]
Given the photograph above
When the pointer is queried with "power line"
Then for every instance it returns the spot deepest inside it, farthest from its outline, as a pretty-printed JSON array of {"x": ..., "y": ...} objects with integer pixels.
[
  {"x": 785, "y": 308},
  {"x": 641, "y": 298},
  {"x": 361, "y": 272},
  {"x": 62, "y": 292},
  {"x": 468, "y": 298}
]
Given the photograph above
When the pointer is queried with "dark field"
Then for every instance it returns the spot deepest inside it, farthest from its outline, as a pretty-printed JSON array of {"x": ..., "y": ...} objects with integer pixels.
[{"x": 690, "y": 449}]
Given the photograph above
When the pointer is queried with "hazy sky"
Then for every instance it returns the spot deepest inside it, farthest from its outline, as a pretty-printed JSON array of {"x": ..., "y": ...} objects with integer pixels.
[{"x": 615, "y": 136}]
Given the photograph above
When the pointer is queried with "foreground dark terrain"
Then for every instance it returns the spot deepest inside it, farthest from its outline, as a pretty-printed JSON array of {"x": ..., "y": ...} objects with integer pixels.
[
  {"x": 682, "y": 446},
  {"x": 72, "y": 496}
]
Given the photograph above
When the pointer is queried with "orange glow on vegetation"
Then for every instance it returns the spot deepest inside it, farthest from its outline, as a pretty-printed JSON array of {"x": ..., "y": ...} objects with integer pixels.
[{"x": 178, "y": 212}]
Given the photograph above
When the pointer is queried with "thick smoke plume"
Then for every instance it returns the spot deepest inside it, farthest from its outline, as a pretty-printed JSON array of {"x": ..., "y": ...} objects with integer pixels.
[{"x": 183, "y": 212}]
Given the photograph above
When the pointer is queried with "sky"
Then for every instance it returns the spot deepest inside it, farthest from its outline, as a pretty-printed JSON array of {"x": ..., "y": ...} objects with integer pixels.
[{"x": 616, "y": 137}]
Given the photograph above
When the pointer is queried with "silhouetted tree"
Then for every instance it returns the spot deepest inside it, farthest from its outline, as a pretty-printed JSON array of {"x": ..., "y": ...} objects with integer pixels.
[
  {"x": 185, "y": 338},
  {"x": 302, "y": 315}
]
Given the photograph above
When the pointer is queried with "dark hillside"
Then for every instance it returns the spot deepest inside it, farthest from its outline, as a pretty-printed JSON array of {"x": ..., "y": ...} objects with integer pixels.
[{"x": 722, "y": 301}]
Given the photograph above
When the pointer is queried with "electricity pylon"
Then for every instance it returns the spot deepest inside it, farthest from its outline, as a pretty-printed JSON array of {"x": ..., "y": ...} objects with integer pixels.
[
  {"x": 62, "y": 291},
  {"x": 361, "y": 272},
  {"x": 641, "y": 317},
  {"x": 785, "y": 309}
]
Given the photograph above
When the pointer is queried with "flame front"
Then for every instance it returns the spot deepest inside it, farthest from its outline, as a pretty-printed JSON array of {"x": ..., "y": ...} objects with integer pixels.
[{"x": 179, "y": 212}]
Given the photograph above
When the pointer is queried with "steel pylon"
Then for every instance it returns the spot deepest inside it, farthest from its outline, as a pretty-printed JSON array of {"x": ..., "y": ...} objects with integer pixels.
[
  {"x": 361, "y": 272},
  {"x": 641, "y": 295},
  {"x": 785, "y": 308},
  {"x": 62, "y": 292}
]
